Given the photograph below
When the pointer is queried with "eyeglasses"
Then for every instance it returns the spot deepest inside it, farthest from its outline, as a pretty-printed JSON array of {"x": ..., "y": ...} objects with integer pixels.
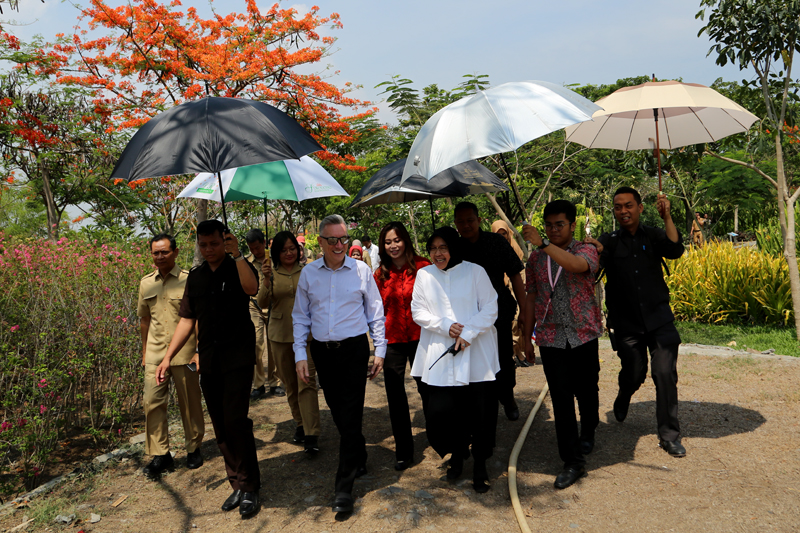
[
  {"x": 333, "y": 240},
  {"x": 440, "y": 249},
  {"x": 289, "y": 250},
  {"x": 557, "y": 226}
]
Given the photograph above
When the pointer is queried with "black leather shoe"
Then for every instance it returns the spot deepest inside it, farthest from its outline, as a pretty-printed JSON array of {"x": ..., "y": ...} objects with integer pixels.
[
  {"x": 361, "y": 471},
  {"x": 480, "y": 477},
  {"x": 455, "y": 467},
  {"x": 233, "y": 501},
  {"x": 568, "y": 476},
  {"x": 311, "y": 445},
  {"x": 343, "y": 503},
  {"x": 674, "y": 448},
  {"x": 586, "y": 446},
  {"x": 159, "y": 464},
  {"x": 402, "y": 465},
  {"x": 512, "y": 411},
  {"x": 621, "y": 405},
  {"x": 258, "y": 393},
  {"x": 194, "y": 459},
  {"x": 277, "y": 391},
  {"x": 248, "y": 504},
  {"x": 299, "y": 435}
]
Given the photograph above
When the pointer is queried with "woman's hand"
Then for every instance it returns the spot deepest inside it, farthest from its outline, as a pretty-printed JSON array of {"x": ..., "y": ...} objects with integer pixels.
[
  {"x": 461, "y": 344},
  {"x": 266, "y": 268},
  {"x": 455, "y": 330}
]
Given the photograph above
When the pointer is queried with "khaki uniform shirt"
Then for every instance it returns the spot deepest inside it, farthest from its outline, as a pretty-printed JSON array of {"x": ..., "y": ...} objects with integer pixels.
[
  {"x": 280, "y": 293},
  {"x": 262, "y": 287},
  {"x": 160, "y": 299}
]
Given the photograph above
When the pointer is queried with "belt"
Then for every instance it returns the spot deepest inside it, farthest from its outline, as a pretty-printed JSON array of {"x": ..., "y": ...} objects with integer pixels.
[{"x": 335, "y": 345}]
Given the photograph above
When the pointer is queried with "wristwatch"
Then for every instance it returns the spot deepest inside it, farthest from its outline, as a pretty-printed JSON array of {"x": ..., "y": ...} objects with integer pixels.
[
  {"x": 240, "y": 258},
  {"x": 545, "y": 244}
]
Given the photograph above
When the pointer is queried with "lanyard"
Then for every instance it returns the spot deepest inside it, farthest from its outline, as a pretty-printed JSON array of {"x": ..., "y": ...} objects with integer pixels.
[{"x": 552, "y": 287}]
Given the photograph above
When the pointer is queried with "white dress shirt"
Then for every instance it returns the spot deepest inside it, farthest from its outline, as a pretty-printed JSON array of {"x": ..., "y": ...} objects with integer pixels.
[
  {"x": 335, "y": 305},
  {"x": 374, "y": 256},
  {"x": 462, "y": 294}
]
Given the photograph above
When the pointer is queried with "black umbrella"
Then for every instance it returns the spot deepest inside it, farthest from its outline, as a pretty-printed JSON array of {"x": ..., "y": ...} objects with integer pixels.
[
  {"x": 210, "y": 135},
  {"x": 461, "y": 180}
]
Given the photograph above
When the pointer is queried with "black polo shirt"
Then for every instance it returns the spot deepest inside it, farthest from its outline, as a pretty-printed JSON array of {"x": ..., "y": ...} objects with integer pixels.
[
  {"x": 637, "y": 296},
  {"x": 498, "y": 259},
  {"x": 226, "y": 337}
]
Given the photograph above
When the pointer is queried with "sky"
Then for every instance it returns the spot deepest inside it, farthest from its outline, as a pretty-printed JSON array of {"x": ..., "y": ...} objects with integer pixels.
[{"x": 439, "y": 41}]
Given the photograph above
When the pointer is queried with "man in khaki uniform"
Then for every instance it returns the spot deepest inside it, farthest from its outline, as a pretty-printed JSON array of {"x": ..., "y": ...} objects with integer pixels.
[
  {"x": 269, "y": 376},
  {"x": 160, "y": 295}
]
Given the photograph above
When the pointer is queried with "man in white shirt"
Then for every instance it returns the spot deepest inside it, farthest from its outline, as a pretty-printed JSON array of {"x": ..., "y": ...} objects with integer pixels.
[
  {"x": 372, "y": 251},
  {"x": 337, "y": 301}
]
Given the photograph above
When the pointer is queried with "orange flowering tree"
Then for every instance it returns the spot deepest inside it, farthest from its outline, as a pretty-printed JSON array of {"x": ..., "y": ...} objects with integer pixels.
[{"x": 150, "y": 56}]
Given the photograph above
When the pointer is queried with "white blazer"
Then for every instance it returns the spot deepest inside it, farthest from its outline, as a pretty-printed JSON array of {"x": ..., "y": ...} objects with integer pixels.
[{"x": 462, "y": 294}]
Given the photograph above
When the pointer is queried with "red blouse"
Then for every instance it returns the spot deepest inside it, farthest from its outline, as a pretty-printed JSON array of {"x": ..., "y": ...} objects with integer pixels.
[{"x": 396, "y": 292}]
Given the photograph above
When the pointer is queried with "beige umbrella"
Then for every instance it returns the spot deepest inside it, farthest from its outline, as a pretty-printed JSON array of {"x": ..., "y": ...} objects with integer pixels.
[{"x": 661, "y": 114}]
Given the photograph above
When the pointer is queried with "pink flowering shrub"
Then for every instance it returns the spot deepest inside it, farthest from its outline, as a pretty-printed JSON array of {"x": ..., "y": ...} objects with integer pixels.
[{"x": 70, "y": 352}]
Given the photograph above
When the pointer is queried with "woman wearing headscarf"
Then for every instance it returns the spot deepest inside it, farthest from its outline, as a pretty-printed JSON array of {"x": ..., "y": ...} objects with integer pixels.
[
  {"x": 356, "y": 245},
  {"x": 500, "y": 227},
  {"x": 395, "y": 278},
  {"x": 456, "y": 306},
  {"x": 281, "y": 286}
]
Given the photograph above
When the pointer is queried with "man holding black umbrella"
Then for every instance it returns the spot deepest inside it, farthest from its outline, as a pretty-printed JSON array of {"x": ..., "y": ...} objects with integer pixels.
[{"x": 217, "y": 299}]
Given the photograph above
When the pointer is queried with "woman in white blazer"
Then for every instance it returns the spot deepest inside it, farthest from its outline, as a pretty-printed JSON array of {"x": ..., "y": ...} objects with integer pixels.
[{"x": 456, "y": 306}]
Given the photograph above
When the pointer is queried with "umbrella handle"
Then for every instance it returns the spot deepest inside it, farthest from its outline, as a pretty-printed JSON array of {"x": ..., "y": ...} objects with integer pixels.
[
  {"x": 222, "y": 197},
  {"x": 658, "y": 148}
]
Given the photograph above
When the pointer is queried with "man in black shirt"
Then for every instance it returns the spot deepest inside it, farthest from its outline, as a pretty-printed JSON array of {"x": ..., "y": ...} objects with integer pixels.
[
  {"x": 637, "y": 299},
  {"x": 217, "y": 299},
  {"x": 497, "y": 257}
]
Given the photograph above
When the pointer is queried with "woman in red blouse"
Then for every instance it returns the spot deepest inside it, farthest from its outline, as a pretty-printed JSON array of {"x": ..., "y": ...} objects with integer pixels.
[{"x": 395, "y": 279}]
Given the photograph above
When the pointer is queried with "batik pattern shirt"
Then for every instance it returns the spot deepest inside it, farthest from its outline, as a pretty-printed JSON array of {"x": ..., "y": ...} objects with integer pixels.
[{"x": 572, "y": 315}]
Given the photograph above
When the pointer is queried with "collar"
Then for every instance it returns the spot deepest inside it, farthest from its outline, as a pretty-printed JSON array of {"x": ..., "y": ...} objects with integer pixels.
[
  {"x": 176, "y": 271},
  {"x": 349, "y": 263},
  {"x": 296, "y": 268}
]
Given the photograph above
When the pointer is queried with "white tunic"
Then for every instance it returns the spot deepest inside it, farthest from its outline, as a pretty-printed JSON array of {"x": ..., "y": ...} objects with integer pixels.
[{"x": 462, "y": 294}]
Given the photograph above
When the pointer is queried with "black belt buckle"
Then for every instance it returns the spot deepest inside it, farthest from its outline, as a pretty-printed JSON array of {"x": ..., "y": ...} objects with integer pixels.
[{"x": 332, "y": 345}]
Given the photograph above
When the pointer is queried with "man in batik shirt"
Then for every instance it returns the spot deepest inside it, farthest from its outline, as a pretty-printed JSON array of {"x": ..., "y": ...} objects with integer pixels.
[{"x": 560, "y": 302}]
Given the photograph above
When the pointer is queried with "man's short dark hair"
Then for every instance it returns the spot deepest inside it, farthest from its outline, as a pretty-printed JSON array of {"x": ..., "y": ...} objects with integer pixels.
[
  {"x": 254, "y": 235},
  {"x": 629, "y": 190},
  {"x": 366, "y": 238},
  {"x": 210, "y": 227},
  {"x": 467, "y": 205},
  {"x": 160, "y": 237},
  {"x": 556, "y": 207}
]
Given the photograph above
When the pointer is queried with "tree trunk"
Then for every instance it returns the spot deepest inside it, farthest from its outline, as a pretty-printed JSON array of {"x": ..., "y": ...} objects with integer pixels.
[
  {"x": 736, "y": 219},
  {"x": 201, "y": 215},
  {"x": 786, "y": 204},
  {"x": 50, "y": 205}
]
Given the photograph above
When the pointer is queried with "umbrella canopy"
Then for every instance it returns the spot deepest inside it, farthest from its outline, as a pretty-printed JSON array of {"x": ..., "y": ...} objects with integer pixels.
[
  {"x": 663, "y": 114},
  {"x": 497, "y": 120},
  {"x": 210, "y": 135},
  {"x": 461, "y": 180},
  {"x": 296, "y": 180}
]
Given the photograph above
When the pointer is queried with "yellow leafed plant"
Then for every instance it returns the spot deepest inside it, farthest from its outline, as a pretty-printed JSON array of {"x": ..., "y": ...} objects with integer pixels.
[{"x": 720, "y": 283}]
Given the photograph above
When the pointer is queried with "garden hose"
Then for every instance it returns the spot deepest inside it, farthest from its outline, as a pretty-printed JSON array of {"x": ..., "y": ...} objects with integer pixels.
[{"x": 512, "y": 463}]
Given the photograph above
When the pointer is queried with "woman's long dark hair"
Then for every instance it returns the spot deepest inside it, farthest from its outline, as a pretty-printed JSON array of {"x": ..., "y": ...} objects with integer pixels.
[
  {"x": 386, "y": 260},
  {"x": 278, "y": 242},
  {"x": 452, "y": 240}
]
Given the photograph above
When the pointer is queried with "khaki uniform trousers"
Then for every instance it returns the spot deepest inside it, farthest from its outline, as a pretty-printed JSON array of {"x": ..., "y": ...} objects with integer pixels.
[
  {"x": 302, "y": 397},
  {"x": 156, "y": 399},
  {"x": 263, "y": 375}
]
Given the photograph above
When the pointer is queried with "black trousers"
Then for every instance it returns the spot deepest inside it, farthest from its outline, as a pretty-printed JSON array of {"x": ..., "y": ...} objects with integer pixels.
[
  {"x": 507, "y": 377},
  {"x": 394, "y": 378},
  {"x": 343, "y": 368},
  {"x": 227, "y": 397},
  {"x": 457, "y": 416},
  {"x": 573, "y": 373},
  {"x": 663, "y": 345}
]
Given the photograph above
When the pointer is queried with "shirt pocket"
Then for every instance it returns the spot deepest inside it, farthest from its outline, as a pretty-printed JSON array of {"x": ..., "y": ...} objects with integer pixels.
[
  {"x": 150, "y": 298},
  {"x": 174, "y": 297}
]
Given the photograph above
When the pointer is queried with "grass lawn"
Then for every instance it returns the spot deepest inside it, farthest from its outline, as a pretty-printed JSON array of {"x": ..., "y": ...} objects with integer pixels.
[{"x": 782, "y": 340}]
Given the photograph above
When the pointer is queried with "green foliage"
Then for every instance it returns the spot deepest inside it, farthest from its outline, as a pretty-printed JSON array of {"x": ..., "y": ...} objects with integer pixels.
[
  {"x": 756, "y": 337},
  {"x": 69, "y": 346},
  {"x": 719, "y": 283}
]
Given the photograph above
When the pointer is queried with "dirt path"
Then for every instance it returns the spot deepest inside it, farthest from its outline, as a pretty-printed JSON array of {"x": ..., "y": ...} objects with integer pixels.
[{"x": 740, "y": 420}]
